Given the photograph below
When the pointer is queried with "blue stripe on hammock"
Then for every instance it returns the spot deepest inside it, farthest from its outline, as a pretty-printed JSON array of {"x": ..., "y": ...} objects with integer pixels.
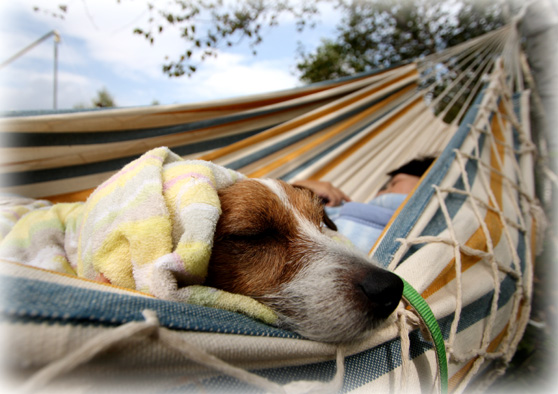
[
  {"x": 414, "y": 208},
  {"x": 53, "y": 174},
  {"x": 516, "y": 102},
  {"x": 453, "y": 202},
  {"x": 34, "y": 301},
  {"x": 319, "y": 155},
  {"x": 364, "y": 367},
  {"x": 36, "y": 139},
  {"x": 262, "y": 153}
]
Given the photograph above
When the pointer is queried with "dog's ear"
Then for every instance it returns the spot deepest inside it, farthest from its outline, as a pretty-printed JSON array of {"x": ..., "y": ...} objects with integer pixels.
[
  {"x": 312, "y": 192},
  {"x": 326, "y": 219},
  {"x": 328, "y": 222},
  {"x": 323, "y": 200}
]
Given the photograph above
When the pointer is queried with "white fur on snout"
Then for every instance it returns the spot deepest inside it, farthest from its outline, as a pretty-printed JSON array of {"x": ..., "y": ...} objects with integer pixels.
[{"x": 321, "y": 297}]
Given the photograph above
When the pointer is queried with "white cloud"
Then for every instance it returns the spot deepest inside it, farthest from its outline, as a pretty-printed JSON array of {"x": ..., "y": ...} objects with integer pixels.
[
  {"x": 34, "y": 90},
  {"x": 104, "y": 30},
  {"x": 236, "y": 75}
]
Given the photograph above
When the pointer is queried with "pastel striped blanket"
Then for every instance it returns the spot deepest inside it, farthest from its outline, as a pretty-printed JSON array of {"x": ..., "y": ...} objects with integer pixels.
[{"x": 149, "y": 227}]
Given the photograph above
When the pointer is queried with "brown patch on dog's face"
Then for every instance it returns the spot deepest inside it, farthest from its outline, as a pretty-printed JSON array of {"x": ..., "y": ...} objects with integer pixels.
[
  {"x": 310, "y": 204},
  {"x": 254, "y": 251},
  {"x": 270, "y": 245}
]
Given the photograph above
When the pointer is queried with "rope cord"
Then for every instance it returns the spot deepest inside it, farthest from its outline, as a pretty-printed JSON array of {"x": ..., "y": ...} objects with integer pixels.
[
  {"x": 501, "y": 204},
  {"x": 150, "y": 328}
]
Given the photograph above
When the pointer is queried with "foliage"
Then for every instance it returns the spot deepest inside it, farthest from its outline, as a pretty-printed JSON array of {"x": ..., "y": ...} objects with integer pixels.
[
  {"x": 380, "y": 33},
  {"x": 206, "y": 26},
  {"x": 59, "y": 12},
  {"x": 103, "y": 100},
  {"x": 373, "y": 33}
]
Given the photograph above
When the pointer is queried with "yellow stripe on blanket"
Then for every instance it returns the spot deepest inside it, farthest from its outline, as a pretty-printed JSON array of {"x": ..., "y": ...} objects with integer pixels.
[
  {"x": 195, "y": 256},
  {"x": 151, "y": 159},
  {"x": 206, "y": 296},
  {"x": 130, "y": 245},
  {"x": 44, "y": 237}
]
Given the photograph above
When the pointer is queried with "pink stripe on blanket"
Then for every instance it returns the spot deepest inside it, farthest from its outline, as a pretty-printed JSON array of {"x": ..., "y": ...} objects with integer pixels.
[
  {"x": 188, "y": 175},
  {"x": 132, "y": 166}
]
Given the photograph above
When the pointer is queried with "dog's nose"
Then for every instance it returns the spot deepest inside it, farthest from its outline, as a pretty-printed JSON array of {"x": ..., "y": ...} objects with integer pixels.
[{"x": 384, "y": 290}]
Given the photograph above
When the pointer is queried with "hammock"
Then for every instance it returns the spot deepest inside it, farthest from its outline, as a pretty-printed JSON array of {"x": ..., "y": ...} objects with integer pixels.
[{"x": 465, "y": 239}]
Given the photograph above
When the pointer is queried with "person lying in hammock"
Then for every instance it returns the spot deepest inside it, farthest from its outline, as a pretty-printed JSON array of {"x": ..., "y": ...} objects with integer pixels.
[{"x": 363, "y": 223}]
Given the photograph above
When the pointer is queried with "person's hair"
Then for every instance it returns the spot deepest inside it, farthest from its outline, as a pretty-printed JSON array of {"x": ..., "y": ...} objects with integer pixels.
[{"x": 415, "y": 167}]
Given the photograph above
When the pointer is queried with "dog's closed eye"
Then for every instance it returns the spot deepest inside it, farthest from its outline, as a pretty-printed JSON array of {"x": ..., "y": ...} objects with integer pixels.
[{"x": 253, "y": 237}]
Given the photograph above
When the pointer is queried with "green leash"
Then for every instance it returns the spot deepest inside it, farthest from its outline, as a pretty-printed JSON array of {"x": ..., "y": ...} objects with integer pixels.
[{"x": 419, "y": 304}]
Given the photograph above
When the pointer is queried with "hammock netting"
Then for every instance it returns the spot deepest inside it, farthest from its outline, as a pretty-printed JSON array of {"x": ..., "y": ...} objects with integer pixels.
[{"x": 466, "y": 238}]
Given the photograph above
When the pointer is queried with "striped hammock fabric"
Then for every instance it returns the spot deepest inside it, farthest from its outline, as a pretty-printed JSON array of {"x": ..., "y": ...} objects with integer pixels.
[
  {"x": 278, "y": 135},
  {"x": 465, "y": 238}
]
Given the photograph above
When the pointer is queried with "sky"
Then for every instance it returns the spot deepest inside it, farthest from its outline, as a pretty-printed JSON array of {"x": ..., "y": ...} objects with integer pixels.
[{"x": 98, "y": 50}]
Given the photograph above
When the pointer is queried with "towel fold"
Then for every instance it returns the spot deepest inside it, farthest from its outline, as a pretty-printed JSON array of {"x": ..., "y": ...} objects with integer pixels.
[{"x": 149, "y": 227}]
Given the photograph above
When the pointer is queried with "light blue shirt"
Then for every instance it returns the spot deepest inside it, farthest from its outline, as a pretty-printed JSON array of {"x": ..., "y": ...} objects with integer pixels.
[{"x": 363, "y": 223}]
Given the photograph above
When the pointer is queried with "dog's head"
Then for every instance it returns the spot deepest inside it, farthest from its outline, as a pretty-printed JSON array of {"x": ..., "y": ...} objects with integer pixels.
[{"x": 274, "y": 243}]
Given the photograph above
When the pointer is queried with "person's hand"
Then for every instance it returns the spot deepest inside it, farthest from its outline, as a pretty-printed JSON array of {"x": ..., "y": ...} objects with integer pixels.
[{"x": 331, "y": 195}]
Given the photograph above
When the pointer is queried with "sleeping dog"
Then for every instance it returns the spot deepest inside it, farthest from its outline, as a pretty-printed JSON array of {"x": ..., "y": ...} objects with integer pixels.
[
  {"x": 164, "y": 226},
  {"x": 274, "y": 243}
]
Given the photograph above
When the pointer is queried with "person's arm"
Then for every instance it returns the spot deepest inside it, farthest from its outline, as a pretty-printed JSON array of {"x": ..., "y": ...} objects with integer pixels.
[{"x": 332, "y": 195}]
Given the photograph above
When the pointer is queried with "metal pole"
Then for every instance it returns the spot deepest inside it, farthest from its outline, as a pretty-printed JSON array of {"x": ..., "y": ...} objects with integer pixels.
[
  {"x": 55, "y": 83},
  {"x": 29, "y": 47}
]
